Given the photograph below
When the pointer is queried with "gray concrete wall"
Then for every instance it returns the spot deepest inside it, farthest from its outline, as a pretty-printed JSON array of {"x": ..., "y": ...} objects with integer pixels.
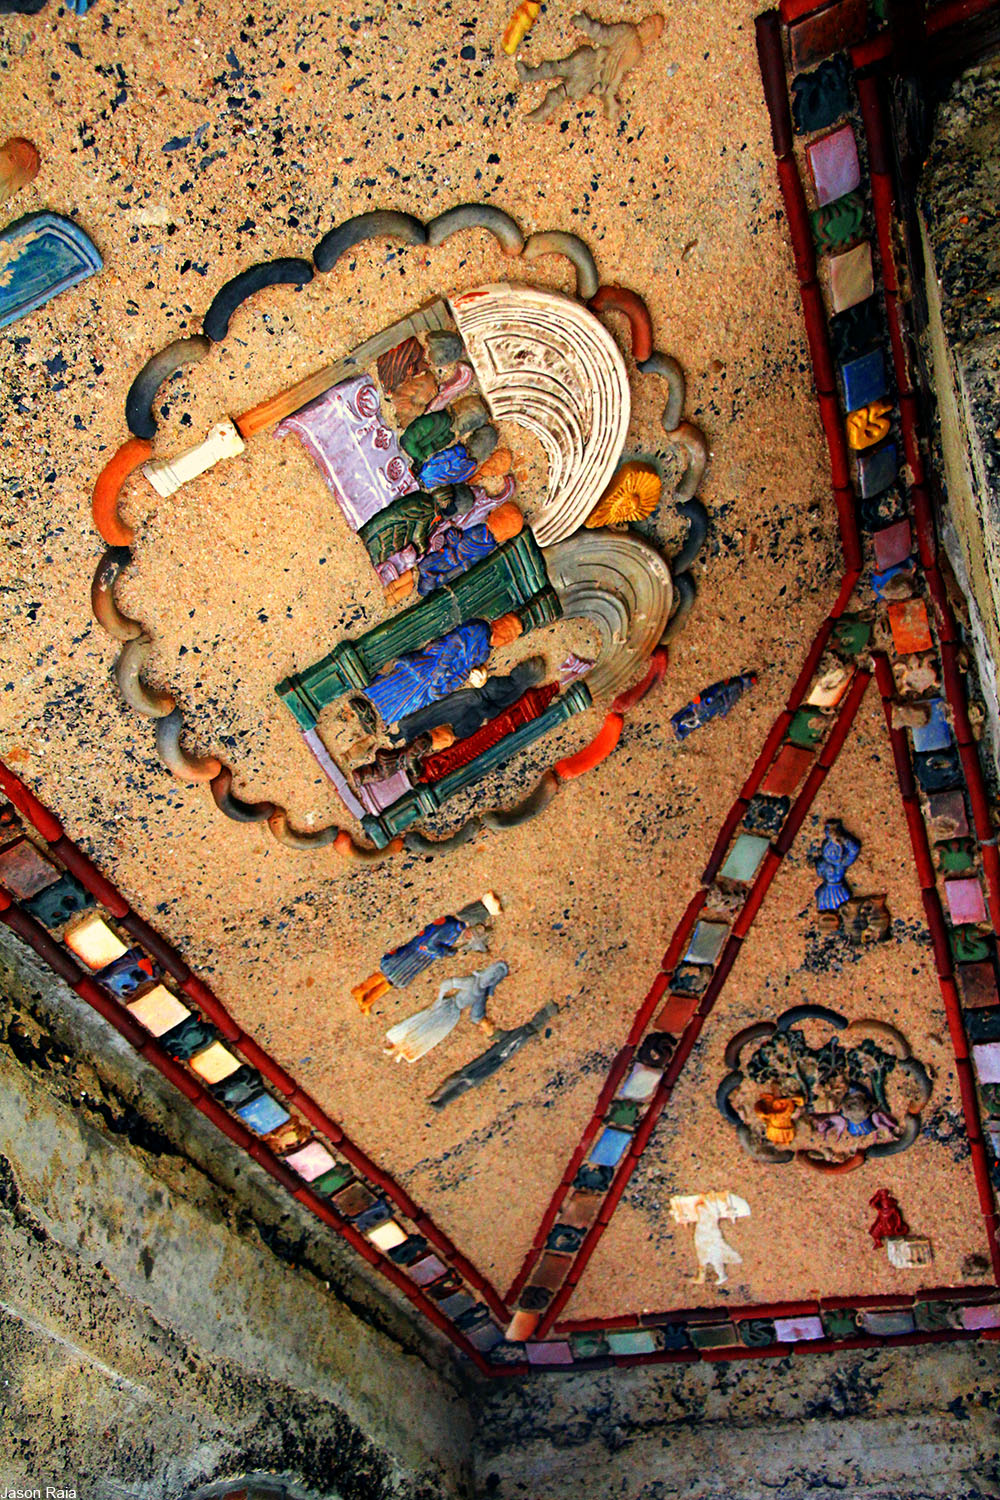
[{"x": 166, "y": 1318}]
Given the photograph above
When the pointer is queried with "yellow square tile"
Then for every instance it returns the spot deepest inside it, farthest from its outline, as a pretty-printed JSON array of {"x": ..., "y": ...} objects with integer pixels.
[
  {"x": 215, "y": 1063},
  {"x": 93, "y": 941},
  {"x": 386, "y": 1237},
  {"x": 158, "y": 1010}
]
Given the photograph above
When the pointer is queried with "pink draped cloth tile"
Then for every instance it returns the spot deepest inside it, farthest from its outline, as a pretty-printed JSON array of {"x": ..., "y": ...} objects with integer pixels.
[
  {"x": 355, "y": 451},
  {"x": 374, "y": 795}
]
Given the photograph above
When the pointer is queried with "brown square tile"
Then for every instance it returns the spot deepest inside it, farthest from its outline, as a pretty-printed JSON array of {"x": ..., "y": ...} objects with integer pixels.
[
  {"x": 910, "y": 627},
  {"x": 551, "y": 1271},
  {"x": 830, "y": 30},
  {"x": 353, "y": 1200},
  {"x": 978, "y": 983},
  {"x": 581, "y": 1209},
  {"x": 788, "y": 771},
  {"x": 677, "y": 1013},
  {"x": 24, "y": 871}
]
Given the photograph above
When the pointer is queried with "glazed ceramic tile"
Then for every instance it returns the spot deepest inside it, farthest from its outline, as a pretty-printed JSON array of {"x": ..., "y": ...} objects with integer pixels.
[
  {"x": 986, "y": 1061},
  {"x": 978, "y": 985},
  {"x": 93, "y": 942},
  {"x": 965, "y": 901},
  {"x": 610, "y": 1147},
  {"x": 987, "y": 1315},
  {"x": 158, "y": 1010},
  {"x": 631, "y": 1341},
  {"x": 864, "y": 379},
  {"x": 640, "y": 1083},
  {"x": 829, "y": 29},
  {"x": 936, "y": 733},
  {"x": 887, "y": 1324},
  {"x": 707, "y": 942},
  {"x": 788, "y": 771},
  {"x": 910, "y": 626},
  {"x": 24, "y": 871},
  {"x": 833, "y": 164},
  {"x": 797, "y": 1330},
  {"x": 877, "y": 470},
  {"x": 262, "y": 1114},
  {"x": 744, "y": 858},
  {"x": 215, "y": 1063},
  {"x": 849, "y": 276}
]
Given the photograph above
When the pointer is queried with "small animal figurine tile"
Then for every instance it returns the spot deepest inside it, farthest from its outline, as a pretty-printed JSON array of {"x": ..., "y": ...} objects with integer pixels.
[
  {"x": 889, "y": 1220},
  {"x": 838, "y": 852},
  {"x": 822, "y": 96},
  {"x": 956, "y": 856},
  {"x": 881, "y": 510},
  {"x": 127, "y": 974},
  {"x": 158, "y": 1009},
  {"x": 849, "y": 276},
  {"x": 707, "y": 942},
  {"x": 766, "y": 815},
  {"x": 57, "y": 903},
  {"x": 965, "y": 901},
  {"x": 712, "y": 703},
  {"x": 908, "y": 1252},
  {"x": 413, "y": 1038},
  {"x": 798, "y": 1330},
  {"x": 869, "y": 425},
  {"x": 878, "y": 469},
  {"x": 892, "y": 545},
  {"x": 833, "y": 163},
  {"x": 864, "y": 379},
  {"x": 744, "y": 858},
  {"x": 856, "y": 328},
  {"x": 707, "y": 1211},
  {"x": 969, "y": 946},
  {"x": 94, "y": 942},
  {"x": 262, "y": 1114},
  {"x": 840, "y": 1322},
  {"x": 24, "y": 871},
  {"x": 938, "y": 770},
  {"x": 837, "y": 225},
  {"x": 598, "y": 69},
  {"x": 43, "y": 254},
  {"x": 788, "y": 771},
  {"x": 910, "y": 626},
  {"x": 864, "y": 920},
  {"x": 188, "y": 1037},
  {"x": 830, "y": 29}
]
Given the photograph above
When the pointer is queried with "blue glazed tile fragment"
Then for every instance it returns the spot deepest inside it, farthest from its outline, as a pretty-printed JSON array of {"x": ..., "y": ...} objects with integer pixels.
[
  {"x": 610, "y": 1147},
  {"x": 263, "y": 1114},
  {"x": 125, "y": 975},
  {"x": 864, "y": 379},
  {"x": 879, "y": 580},
  {"x": 43, "y": 254},
  {"x": 877, "y": 470},
  {"x": 377, "y": 1214},
  {"x": 936, "y": 733}
]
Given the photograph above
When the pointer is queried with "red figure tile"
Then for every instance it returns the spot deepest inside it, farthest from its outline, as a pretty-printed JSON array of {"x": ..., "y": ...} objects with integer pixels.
[{"x": 889, "y": 1221}]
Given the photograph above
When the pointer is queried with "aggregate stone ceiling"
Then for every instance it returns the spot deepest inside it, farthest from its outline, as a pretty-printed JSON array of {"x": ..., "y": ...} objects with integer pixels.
[{"x": 193, "y": 141}]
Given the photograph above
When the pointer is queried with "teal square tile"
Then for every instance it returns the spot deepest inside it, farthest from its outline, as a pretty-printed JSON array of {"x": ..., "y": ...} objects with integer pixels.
[
  {"x": 632, "y": 1341},
  {"x": 744, "y": 858}
]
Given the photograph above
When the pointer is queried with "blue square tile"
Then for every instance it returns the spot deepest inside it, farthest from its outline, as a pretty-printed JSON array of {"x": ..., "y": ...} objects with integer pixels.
[
  {"x": 263, "y": 1114},
  {"x": 936, "y": 733},
  {"x": 877, "y": 470},
  {"x": 864, "y": 379},
  {"x": 610, "y": 1147}
]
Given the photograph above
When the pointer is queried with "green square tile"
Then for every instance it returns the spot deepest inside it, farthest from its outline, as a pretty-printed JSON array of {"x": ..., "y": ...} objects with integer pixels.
[
  {"x": 588, "y": 1345},
  {"x": 332, "y": 1181},
  {"x": 622, "y": 1112},
  {"x": 807, "y": 728},
  {"x": 840, "y": 1323},
  {"x": 744, "y": 858},
  {"x": 713, "y": 1335}
]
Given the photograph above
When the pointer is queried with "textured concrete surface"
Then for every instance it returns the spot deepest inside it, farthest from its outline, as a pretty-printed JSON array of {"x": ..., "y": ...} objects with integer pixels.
[
  {"x": 161, "y": 1330},
  {"x": 961, "y": 239}
]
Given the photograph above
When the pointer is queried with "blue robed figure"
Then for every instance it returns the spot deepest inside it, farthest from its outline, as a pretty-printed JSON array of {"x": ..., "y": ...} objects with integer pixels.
[
  {"x": 422, "y": 677},
  {"x": 839, "y": 851}
]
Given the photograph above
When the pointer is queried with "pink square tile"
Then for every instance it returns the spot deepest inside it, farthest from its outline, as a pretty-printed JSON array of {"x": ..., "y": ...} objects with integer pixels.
[
  {"x": 986, "y": 1316},
  {"x": 833, "y": 162},
  {"x": 311, "y": 1161},
  {"x": 986, "y": 1060},
  {"x": 965, "y": 900},
  {"x": 549, "y": 1354},
  {"x": 892, "y": 545},
  {"x": 797, "y": 1330}
]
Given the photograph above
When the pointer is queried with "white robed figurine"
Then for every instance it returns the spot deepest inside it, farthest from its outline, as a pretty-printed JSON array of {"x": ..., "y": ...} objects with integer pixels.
[{"x": 413, "y": 1038}]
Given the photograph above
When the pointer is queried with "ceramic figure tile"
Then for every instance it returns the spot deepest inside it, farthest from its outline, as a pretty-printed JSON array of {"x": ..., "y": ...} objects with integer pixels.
[
  {"x": 622, "y": 1112},
  {"x": 127, "y": 974},
  {"x": 757, "y": 1333},
  {"x": 690, "y": 979},
  {"x": 610, "y": 1147},
  {"x": 857, "y": 328},
  {"x": 187, "y": 1038},
  {"x": 158, "y": 1010},
  {"x": 968, "y": 946},
  {"x": 965, "y": 900},
  {"x": 631, "y": 1341},
  {"x": 555, "y": 1352},
  {"x": 239, "y": 1088},
  {"x": 983, "y": 1025},
  {"x": 978, "y": 985},
  {"x": 836, "y": 225},
  {"x": 797, "y": 1330},
  {"x": 262, "y": 1114},
  {"x": 94, "y": 942},
  {"x": 881, "y": 510},
  {"x": 936, "y": 733},
  {"x": 956, "y": 856},
  {"x": 821, "y": 97},
  {"x": 840, "y": 1322},
  {"x": 833, "y": 164},
  {"x": 947, "y": 815},
  {"x": 214, "y": 1063},
  {"x": 877, "y": 469},
  {"x": 787, "y": 771},
  {"x": 377, "y": 1214},
  {"x": 892, "y": 545},
  {"x": 835, "y": 27},
  {"x": 887, "y": 1323},
  {"x": 425, "y": 1271},
  {"x": 807, "y": 729},
  {"x": 353, "y": 1200},
  {"x": 848, "y": 276},
  {"x": 932, "y": 1316},
  {"x": 910, "y": 626},
  {"x": 713, "y": 1335},
  {"x": 707, "y": 942},
  {"x": 744, "y": 858},
  {"x": 57, "y": 903},
  {"x": 357, "y": 454},
  {"x": 24, "y": 871},
  {"x": 640, "y": 1083},
  {"x": 986, "y": 1315},
  {"x": 986, "y": 1061},
  {"x": 310, "y": 1161}
]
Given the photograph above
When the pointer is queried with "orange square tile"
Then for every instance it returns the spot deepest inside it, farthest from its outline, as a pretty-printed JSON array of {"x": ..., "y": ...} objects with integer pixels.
[
  {"x": 677, "y": 1013},
  {"x": 788, "y": 770},
  {"x": 910, "y": 627}
]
